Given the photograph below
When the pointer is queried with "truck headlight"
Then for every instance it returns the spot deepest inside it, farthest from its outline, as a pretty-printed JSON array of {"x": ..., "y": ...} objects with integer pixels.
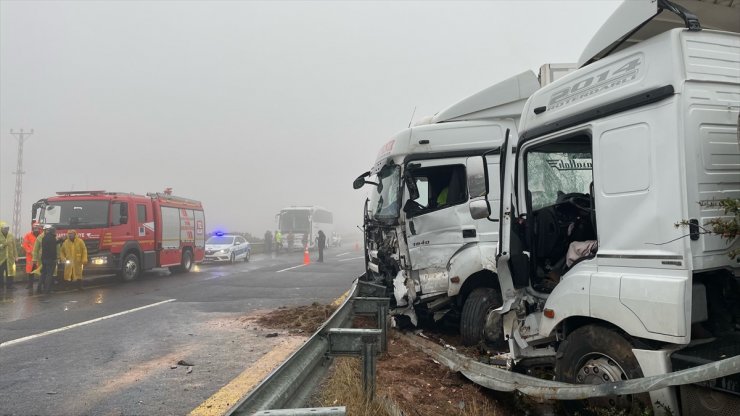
[{"x": 99, "y": 261}]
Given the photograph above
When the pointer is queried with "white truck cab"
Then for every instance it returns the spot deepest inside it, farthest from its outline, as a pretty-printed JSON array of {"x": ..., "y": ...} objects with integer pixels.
[
  {"x": 594, "y": 273},
  {"x": 429, "y": 236}
]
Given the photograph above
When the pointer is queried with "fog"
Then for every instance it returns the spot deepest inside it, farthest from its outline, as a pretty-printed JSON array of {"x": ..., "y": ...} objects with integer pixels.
[{"x": 249, "y": 106}]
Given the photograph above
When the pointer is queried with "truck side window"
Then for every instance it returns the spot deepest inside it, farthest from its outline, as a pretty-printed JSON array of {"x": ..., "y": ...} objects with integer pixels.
[
  {"x": 119, "y": 213},
  {"x": 141, "y": 213},
  {"x": 440, "y": 187}
]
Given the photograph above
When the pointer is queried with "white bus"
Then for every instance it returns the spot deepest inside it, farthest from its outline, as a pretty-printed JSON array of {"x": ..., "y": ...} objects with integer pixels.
[{"x": 300, "y": 225}]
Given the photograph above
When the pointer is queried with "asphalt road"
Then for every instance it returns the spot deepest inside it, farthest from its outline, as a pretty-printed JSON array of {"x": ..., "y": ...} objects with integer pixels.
[{"x": 55, "y": 361}]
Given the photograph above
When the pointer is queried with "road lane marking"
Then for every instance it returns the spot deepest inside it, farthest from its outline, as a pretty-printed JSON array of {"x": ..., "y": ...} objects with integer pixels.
[
  {"x": 353, "y": 258},
  {"x": 344, "y": 254},
  {"x": 290, "y": 268},
  {"x": 64, "y": 328},
  {"x": 228, "y": 395}
]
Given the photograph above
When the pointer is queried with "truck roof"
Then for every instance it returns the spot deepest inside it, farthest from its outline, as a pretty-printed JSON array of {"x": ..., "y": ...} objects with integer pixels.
[
  {"x": 635, "y": 21},
  {"x": 501, "y": 100}
]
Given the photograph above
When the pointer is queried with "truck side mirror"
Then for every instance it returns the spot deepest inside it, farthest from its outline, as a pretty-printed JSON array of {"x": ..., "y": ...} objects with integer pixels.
[
  {"x": 360, "y": 181},
  {"x": 479, "y": 208},
  {"x": 476, "y": 172}
]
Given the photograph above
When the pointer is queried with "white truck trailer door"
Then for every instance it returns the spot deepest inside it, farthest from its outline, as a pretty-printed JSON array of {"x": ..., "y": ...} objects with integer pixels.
[{"x": 438, "y": 220}]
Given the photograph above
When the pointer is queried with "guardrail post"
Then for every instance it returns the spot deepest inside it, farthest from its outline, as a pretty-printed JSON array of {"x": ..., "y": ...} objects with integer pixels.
[
  {"x": 378, "y": 307},
  {"x": 358, "y": 342},
  {"x": 368, "y": 366}
]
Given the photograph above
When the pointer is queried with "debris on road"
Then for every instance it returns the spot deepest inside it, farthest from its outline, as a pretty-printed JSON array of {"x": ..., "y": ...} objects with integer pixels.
[
  {"x": 190, "y": 370},
  {"x": 271, "y": 335},
  {"x": 185, "y": 363},
  {"x": 52, "y": 392},
  {"x": 297, "y": 319},
  {"x": 172, "y": 367}
]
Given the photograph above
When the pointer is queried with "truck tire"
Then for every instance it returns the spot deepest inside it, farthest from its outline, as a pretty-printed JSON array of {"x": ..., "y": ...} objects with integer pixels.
[
  {"x": 130, "y": 267},
  {"x": 186, "y": 263},
  {"x": 594, "y": 354},
  {"x": 473, "y": 319}
]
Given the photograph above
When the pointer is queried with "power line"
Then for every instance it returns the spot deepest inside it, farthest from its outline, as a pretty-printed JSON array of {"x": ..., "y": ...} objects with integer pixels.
[{"x": 21, "y": 136}]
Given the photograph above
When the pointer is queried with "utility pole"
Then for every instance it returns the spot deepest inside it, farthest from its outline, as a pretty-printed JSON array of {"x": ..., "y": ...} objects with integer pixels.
[{"x": 21, "y": 136}]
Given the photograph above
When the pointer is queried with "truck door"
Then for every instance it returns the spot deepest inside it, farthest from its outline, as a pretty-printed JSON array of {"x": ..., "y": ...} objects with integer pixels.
[{"x": 438, "y": 220}]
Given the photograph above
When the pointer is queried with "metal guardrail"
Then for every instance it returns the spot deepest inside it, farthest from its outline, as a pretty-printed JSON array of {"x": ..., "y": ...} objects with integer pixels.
[
  {"x": 496, "y": 378},
  {"x": 290, "y": 385}
]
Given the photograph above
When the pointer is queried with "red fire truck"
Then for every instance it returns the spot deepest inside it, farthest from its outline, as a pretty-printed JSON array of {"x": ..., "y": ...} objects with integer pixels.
[{"x": 128, "y": 233}]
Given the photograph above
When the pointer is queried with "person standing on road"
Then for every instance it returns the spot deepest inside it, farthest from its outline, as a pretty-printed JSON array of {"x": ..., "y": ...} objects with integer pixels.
[
  {"x": 278, "y": 241},
  {"x": 8, "y": 254},
  {"x": 321, "y": 243},
  {"x": 29, "y": 242},
  {"x": 268, "y": 242},
  {"x": 48, "y": 256},
  {"x": 74, "y": 256}
]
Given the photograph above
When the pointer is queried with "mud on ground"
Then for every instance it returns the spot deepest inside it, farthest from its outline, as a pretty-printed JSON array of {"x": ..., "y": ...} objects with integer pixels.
[{"x": 297, "y": 319}]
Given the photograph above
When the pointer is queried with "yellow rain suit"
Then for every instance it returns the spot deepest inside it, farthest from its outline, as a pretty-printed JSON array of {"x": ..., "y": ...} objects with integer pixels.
[
  {"x": 74, "y": 257},
  {"x": 8, "y": 251}
]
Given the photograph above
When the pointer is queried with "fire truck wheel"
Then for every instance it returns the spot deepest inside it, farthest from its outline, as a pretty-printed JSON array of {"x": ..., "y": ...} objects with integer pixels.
[
  {"x": 130, "y": 267},
  {"x": 593, "y": 354},
  {"x": 187, "y": 261},
  {"x": 474, "y": 313}
]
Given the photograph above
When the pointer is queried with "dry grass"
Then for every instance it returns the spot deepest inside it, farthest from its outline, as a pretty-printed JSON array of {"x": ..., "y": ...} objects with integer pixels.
[
  {"x": 298, "y": 319},
  {"x": 343, "y": 387}
]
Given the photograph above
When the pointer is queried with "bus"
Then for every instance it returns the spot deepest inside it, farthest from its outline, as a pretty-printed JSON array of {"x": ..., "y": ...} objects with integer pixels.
[{"x": 300, "y": 226}]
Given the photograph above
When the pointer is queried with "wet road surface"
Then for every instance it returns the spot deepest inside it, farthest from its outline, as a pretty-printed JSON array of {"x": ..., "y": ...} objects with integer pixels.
[{"x": 110, "y": 349}]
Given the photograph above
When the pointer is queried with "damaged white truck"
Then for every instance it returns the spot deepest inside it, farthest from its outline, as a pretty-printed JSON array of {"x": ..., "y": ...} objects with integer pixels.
[
  {"x": 425, "y": 238},
  {"x": 595, "y": 276}
]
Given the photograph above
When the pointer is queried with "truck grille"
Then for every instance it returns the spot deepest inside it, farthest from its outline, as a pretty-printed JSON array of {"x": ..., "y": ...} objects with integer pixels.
[{"x": 92, "y": 245}]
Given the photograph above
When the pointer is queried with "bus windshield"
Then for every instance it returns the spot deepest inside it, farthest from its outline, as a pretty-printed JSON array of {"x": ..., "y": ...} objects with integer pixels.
[
  {"x": 296, "y": 221},
  {"x": 76, "y": 214}
]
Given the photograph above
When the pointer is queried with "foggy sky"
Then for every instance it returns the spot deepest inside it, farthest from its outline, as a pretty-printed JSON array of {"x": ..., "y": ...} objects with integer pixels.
[{"x": 249, "y": 106}]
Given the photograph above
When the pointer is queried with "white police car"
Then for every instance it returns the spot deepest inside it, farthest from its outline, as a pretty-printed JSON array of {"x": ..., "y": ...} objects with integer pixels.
[{"x": 225, "y": 247}]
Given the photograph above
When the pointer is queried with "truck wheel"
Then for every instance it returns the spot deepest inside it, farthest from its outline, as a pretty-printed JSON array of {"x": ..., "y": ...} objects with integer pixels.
[
  {"x": 474, "y": 313},
  {"x": 130, "y": 268},
  {"x": 593, "y": 354},
  {"x": 186, "y": 263}
]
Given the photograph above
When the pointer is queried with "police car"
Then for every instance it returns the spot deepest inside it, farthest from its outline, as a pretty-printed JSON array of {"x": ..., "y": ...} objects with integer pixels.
[{"x": 226, "y": 247}]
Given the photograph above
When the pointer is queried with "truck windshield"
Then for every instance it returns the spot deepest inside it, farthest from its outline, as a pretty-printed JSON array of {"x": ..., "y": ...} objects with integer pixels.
[
  {"x": 294, "y": 221},
  {"x": 385, "y": 200},
  {"x": 76, "y": 214}
]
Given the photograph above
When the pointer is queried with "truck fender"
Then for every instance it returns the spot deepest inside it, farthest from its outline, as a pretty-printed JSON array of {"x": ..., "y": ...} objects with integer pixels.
[{"x": 470, "y": 259}]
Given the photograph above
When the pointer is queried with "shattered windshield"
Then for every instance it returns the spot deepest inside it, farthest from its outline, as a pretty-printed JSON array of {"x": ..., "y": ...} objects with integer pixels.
[
  {"x": 385, "y": 200},
  {"x": 76, "y": 214},
  {"x": 550, "y": 174}
]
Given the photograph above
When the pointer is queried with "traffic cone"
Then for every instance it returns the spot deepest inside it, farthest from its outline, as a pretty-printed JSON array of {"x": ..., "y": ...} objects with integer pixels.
[{"x": 306, "y": 256}]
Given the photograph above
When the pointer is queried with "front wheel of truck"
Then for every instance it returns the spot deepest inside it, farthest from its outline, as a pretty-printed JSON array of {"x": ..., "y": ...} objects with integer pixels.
[
  {"x": 594, "y": 354},
  {"x": 130, "y": 267},
  {"x": 474, "y": 314}
]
